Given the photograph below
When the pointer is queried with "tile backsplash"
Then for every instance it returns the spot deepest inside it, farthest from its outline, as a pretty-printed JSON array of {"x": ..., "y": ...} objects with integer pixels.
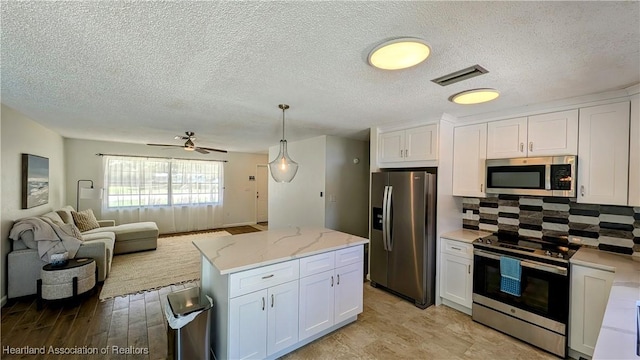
[{"x": 610, "y": 228}]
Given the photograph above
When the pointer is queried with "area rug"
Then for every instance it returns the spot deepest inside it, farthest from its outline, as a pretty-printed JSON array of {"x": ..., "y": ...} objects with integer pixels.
[{"x": 175, "y": 261}]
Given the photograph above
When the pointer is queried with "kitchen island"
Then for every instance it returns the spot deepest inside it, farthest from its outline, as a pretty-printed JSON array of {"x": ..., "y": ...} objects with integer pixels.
[{"x": 277, "y": 290}]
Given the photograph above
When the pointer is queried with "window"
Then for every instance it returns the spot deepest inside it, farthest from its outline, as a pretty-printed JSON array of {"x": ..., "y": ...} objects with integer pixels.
[{"x": 139, "y": 182}]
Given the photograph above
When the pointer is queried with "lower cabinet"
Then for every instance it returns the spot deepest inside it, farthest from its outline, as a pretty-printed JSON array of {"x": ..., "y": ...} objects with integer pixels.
[
  {"x": 268, "y": 311},
  {"x": 456, "y": 273},
  {"x": 590, "y": 290},
  {"x": 264, "y": 322},
  {"x": 329, "y": 298}
]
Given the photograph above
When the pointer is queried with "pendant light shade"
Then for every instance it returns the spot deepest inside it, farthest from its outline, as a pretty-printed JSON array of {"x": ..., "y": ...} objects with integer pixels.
[{"x": 283, "y": 169}]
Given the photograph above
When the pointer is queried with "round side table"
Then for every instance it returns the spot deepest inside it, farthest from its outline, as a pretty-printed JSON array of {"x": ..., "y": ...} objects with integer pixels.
[{"x": 75, "y": 277}]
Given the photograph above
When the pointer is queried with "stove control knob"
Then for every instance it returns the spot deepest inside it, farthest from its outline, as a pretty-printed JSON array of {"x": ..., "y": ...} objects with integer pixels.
[
  {"x": 479, "y": 240},
  {"x": 559, "y": 255},
  {"x": 488, "y": 241},
  {"x": 548, "y": 253}
]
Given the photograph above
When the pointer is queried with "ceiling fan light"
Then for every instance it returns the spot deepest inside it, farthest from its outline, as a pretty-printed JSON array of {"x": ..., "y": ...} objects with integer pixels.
[
  {"x": 399, "y": 54},
  {"x": 474, "y": 96},
  {"x": 283, "y": 169}
]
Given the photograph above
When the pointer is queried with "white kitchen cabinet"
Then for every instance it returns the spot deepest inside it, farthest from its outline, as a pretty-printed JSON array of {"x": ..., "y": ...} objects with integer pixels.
[
  {"x": 263, "y": 322},
  {"x": 413, "y": 144},
  {"x": 538, "y": 135},
  {"x": 590, "y": 290},
  {"x": 317, "y": 295},
  {"x": 553, "y": 134},
  {"x": 282, "y": 317},
  {"x": 603, "y": 154},
  {"x": 331, "y": 297},
  {"x": 348, "y": 285},
  {"x": 248, "y": 326},
  {"x": 469, "y": 155},
  {"x": 634, "y": 152},
  {"x": 391, "y": 146},
  {"x": 456, "y": 272},
  {"x": 507, "y": 138}
]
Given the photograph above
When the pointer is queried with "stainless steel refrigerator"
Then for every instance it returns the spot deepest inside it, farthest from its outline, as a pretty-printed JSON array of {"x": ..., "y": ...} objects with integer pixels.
[{"x": 402, "y": 245}]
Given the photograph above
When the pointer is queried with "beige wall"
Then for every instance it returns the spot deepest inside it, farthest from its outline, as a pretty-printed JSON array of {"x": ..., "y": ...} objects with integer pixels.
[
  {"x": 326, "y": 165},
  {"x": 23, "y": 135},
  {"x": 239, "y": 198},
  {"x": 347, "y": 186}
]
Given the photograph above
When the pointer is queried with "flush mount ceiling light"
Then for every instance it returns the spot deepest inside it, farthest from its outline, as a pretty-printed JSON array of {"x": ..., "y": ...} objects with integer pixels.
[
  {"x": 283, "y": 169},
  {"x": 475, "y": 96},
  {"x": 399, "y": 54}
]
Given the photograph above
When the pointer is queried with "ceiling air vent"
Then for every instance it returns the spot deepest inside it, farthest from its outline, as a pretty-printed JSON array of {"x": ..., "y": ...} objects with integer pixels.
[{"x": 460, "y": 75}]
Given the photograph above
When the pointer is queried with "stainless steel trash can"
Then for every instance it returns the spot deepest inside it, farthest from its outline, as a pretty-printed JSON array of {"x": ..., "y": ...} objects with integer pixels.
[{"x": 191, "y": 340}]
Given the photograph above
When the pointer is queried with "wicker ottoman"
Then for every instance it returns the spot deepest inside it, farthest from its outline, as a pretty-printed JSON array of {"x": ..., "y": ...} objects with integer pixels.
[{"x": 76, "y": 277}]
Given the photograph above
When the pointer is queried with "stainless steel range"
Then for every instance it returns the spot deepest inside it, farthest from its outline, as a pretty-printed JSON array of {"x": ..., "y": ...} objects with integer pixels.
[{"x": 540, "y": 314}]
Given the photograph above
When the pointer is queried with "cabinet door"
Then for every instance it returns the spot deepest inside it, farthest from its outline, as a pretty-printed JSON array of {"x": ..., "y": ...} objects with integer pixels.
[
  {"x": 553, "y": 134},
  {"x": 590, "y": 290},
  {"x": 248, "y": 326},
  {"x": 421, "y": 143},
  {"x": 391, "y": 146},
  {"x": 316, "y": 304},
  {"x": 469, "y": 155},
  {"x": 507, "y": 138},
  {"x": 282, "y": 323},
  {"x": 456, "y": 279},
  {"x": 603, "y": 154},
  {"x": 348, "y": 291}
]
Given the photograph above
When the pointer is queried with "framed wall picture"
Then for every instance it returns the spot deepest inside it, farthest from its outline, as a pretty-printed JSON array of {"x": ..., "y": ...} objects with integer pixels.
[{"x": 35, "y": 181}]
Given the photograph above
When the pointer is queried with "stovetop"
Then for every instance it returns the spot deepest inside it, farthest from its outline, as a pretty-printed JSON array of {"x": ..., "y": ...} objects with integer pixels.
[{"x": 556, "y": 249}]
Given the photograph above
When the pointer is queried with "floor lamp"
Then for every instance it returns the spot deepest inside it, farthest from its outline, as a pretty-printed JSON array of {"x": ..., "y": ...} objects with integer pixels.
[{"x": 86, "y": 193}]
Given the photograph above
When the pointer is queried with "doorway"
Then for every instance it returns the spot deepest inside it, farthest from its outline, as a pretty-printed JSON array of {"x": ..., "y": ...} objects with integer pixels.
[{"x": 262, "y": 194}]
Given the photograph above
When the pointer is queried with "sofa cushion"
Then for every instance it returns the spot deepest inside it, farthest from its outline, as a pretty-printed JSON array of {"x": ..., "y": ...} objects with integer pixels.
[
  {"x": 85, "y": 220},
  {"x": 130, "y": 231}
]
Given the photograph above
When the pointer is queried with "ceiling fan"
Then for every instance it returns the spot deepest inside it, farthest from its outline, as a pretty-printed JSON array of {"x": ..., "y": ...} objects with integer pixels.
[{"x": 189, "y": 145}]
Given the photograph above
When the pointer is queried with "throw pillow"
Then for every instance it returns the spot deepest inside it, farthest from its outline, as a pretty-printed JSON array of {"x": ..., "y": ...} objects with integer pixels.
[
  {"x": 65, "y": 216},
  {"x": 85, "y": 220}
]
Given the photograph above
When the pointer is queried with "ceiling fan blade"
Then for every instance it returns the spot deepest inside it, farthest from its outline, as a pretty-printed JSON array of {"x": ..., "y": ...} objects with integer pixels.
[
  {"x": 211, "y": 149},
  {"x": 180, "y": 146},
  {"x": 201, "y": 150}
]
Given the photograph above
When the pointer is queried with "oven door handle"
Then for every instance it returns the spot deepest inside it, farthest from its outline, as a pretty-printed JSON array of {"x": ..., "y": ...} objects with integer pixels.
[{"x": 527, "y": 263}]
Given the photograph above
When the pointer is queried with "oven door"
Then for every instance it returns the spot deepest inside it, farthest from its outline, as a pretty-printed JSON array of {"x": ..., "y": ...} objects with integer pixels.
[{"x": 544, "y": 287}]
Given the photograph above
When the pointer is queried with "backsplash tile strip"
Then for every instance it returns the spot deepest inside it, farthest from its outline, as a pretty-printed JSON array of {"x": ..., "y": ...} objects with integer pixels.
[{"x": 607, "y": 227}]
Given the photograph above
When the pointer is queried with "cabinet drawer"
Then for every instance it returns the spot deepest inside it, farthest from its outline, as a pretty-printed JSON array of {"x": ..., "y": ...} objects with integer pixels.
[
  {"x": 458, "y": 248},
  {"x": 350, "y": 255},
  {"x": 317, "y": 263},
  {"x": 248, "y": 281}
]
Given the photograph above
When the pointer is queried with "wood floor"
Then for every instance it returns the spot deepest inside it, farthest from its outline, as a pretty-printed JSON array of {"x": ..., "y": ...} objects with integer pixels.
[{"x": 389, "y": 328}]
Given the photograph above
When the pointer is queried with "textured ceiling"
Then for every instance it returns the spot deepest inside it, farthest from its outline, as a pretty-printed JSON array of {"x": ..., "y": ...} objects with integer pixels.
[{"x": 145, "y": 71}]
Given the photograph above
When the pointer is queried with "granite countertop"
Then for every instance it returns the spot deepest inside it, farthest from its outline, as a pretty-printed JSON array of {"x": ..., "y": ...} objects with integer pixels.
[
  {"x": 235, "y": 253},
  {"x": 617, "y": 338},
  {"x": 465, "y": 235}
]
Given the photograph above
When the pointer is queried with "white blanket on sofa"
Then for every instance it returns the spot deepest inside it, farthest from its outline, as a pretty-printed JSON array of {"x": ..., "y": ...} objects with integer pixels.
[{"x": 52, "y": 238}]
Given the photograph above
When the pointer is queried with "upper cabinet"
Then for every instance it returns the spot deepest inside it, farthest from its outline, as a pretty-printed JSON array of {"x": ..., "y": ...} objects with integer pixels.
[
  {"x": 414, "y": 144},
  {"x": 469, "y": 155},
  {"x": 603, "y": 154},
  {"x": 538, "y": 135}
]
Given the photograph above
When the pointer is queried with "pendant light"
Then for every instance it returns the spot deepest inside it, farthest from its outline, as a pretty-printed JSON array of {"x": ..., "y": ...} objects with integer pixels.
[{"x": 283, "y": 169}]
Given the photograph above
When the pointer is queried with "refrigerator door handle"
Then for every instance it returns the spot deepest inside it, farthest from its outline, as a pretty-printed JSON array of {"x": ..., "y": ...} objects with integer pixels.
[
  {"x": 388, "y": 219},
  {"x": 384, "y": 218}
]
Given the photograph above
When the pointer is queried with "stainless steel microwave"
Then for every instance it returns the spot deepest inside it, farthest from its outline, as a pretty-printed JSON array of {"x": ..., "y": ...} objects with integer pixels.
[{"x": 539, "y": 176}]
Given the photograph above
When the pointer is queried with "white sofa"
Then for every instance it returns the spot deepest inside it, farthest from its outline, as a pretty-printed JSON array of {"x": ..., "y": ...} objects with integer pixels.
[{"x": 24, "y": 264}]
